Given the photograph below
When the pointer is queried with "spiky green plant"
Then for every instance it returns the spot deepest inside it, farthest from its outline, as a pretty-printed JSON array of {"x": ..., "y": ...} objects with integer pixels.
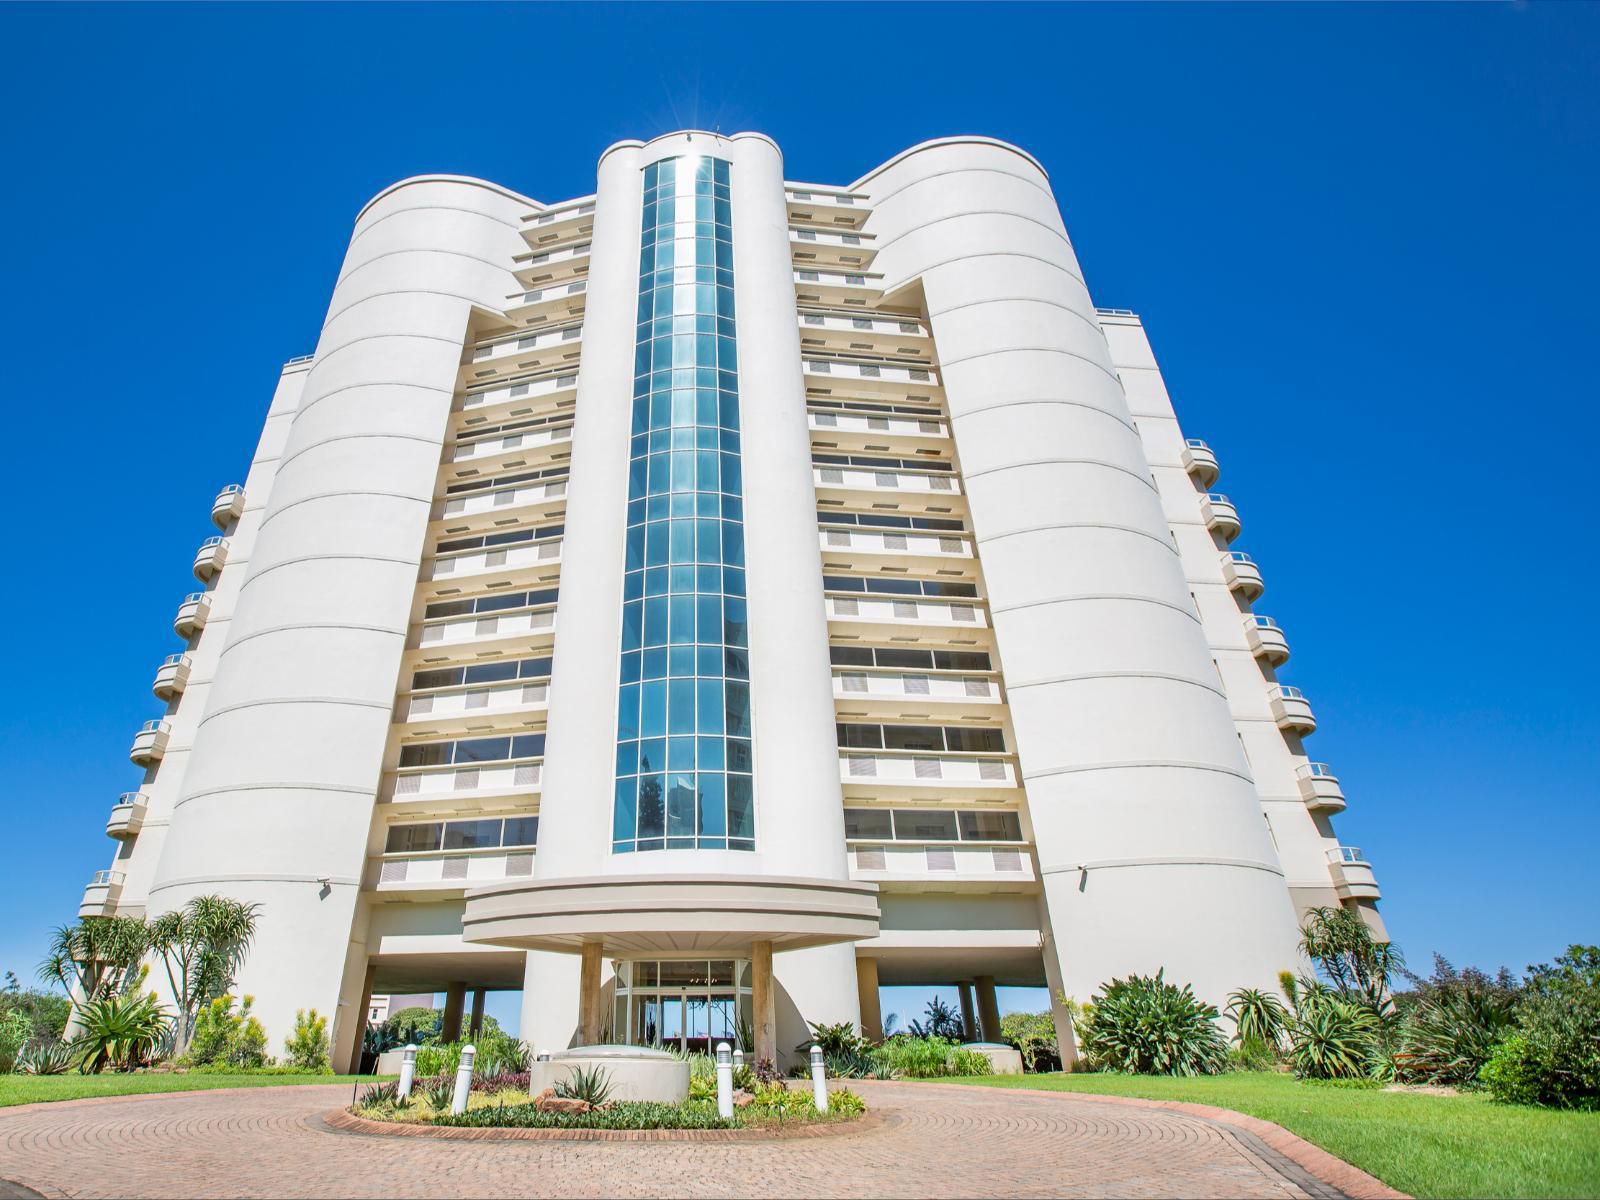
[
  {"x": 1448, "y": 1036},
  {"x": 592, "y": 1085},
  {"x": 1332, "y": 1038},
  {"x": 1257, "y": 1016},
  {"x": 44, "y": 1058},
  {"x": 1146, "y": 1026},
  {"x": 120, "y": 1032},
  {"x": 1355, "y": 964}
]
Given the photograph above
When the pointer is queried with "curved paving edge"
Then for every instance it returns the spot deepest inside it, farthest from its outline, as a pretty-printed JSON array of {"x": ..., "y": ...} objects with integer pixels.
[
  {"x": 92, "y": 1101},
  {"x": 343, "y": 1121},
  {"x": 1326, "y": 1168}
]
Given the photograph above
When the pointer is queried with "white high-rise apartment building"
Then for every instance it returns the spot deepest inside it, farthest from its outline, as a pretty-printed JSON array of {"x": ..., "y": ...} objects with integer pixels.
[{"x": 711, "y": 599}]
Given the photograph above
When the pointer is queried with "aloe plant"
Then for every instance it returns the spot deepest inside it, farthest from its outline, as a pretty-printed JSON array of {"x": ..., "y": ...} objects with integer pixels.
[{"x": 592, "y": 1085}]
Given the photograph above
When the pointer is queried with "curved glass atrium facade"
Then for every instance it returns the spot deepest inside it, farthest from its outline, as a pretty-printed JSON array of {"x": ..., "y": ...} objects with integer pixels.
[{"x": 683, "y": 722}]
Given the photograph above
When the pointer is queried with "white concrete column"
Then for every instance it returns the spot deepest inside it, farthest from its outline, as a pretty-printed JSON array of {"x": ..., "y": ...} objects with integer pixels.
[
  {"x": 277, "y": 800},
  {"x": 867, "y": 994},
  {"x": 550, "y": 1000},
  {"x": 1150, "y": 838}
]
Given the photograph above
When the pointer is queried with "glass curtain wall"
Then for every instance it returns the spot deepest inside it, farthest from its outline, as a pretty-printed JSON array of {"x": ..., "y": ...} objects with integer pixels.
[
  {"x": 683, "y": 772},
  {"x": 689, "y": 1004}
]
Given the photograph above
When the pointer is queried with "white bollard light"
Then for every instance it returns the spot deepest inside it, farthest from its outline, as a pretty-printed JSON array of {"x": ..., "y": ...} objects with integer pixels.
[
  {"x": 819, "y": 1079},
  {"x": 724, "y": 1081},
  {"x": 458, "y": 1102},
  {"x": 738, "y": 1057},
  {"x": 408, "y": 1072}
]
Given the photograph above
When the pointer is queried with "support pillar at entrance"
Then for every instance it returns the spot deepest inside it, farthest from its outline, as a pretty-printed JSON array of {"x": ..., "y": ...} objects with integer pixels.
[
  {"x": 455, "y": 998},
  {"x": 988, "y": 1009},
  {"x": 867, "y": 989},
  {"x": 969, "y": 1024},
  {"x": 763, "y": 1004},
  {"x": 353, "y": 1064},
  {"x": 479, "y": 995},
  {"x": 589, "y": 1015}
]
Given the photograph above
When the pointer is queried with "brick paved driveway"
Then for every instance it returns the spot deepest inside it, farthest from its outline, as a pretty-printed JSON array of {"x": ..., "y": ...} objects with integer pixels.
[{"x": 931, "y": 1142}]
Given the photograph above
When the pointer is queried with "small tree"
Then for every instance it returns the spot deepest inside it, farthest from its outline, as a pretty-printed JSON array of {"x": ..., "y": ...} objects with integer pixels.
[
  {"x": 941, "y": 1021},
  {"x": 202, "y": 946},
  {"x": 307, "y": 1046},
  {"x": 1354, "y": 963},
  {"x": 96, "y": 958}
]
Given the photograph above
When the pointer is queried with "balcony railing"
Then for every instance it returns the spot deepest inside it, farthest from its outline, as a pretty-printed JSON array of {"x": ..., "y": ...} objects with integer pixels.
[
  {"x": 150, "y": 743},
  {"x": 225, "y": 509},
  {"x": 1290, "y": 709},
  {"x": 172, "y": 676},
  {"x": 501, "y": 558},
  {"x": 127, "y": 815},
  {"x": 925, "y": 770},
  {"x": 100, "y": 897},
  {"x": 1242, "y": 575},
  {"x": 433, "y": 783},
  {"x": 891, "y": 685},
  {"x": 478, "y": 701},
  {"x": 1353, "y": 876},
  {"x": 520, "y": 496},
  {"x": 927, "y": 612},
  {"x": 871, "y": 541},
  {"x": 446, "y": 871},
  {"x": 861, "y": 479},
  {"x": 1200, "y": 462},
  {"x": 1319, "y": 786},
  {"x": 873, "y": 426},
  {"x": 986, "y": 866},
  {"x": 192, "y": 613},
  {"x": 1266, "y": 640},
  {"x": 208, "y": 560},
  {"x": 1220, "y": 516}
]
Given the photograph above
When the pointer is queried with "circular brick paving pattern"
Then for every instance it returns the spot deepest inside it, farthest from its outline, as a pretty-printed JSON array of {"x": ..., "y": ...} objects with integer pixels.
[{"x": 929, "y": 1141}]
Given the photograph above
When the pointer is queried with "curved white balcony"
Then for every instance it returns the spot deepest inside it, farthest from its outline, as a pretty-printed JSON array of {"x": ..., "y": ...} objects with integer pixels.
[
  {"x": 127, "y": 815},
  {"x": 1353, "y": 876},
  {"x": 209, "y": 558},
  {"x": 1242, "y": 575},
  {"x": 1200, "y": 462},
  {"x": 1290, "y": 709},
  {"x": 1266, "y": 639},
  {"x": 1220, "y": 516},
  {"x": 150, "y": 743},
  {"x": 1319, "y": 786},
  {"x": 225, "y": 509},
  {"x": 192, "y": 614},
  {"x": 172, "y": 676},
  {"x": 101, "y": 896}
]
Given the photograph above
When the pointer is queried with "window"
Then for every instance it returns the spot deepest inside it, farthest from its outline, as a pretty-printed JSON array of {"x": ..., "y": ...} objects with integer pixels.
[
  {"x": 683, "y": 756},
  {"x": 875, "y": 824},
  {"x": 472, "y": 750},
  {"x": 956, "y": 739},
  {"x": 923, "y": 825},
  {"x": 990, "y": 827},
  {"x": 894, "y": 657},
  {"x": 486, "y": 834}
]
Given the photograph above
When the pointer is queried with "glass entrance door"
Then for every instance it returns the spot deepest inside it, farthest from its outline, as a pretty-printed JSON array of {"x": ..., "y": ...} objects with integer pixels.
[{"x": 686, "y": 1004}]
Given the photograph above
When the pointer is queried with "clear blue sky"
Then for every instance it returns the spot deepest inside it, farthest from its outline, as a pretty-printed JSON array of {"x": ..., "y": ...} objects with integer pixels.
[{"x": 1363, "y": 239}]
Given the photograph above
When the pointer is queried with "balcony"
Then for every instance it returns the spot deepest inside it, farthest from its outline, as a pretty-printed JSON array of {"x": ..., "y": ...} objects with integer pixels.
[
  {"x": 1200, "y": 462},
  {"x": 1291, "y": 710},
  {"x": 548, "y": 267},
  {"x": 532, "y": 439},
  {"x": 558, "y": 302},
  {"x": 468, "y": 706},
  {"x": 101, "y": 896},
  {"x": 861, "y": 479},
  {"x": 894, "y": 688},
  {"x": 1220, "y": 516},
  {"x": 826, "y": 247},
  {"x": 1266, "y": 639},
  {"x": 469, "y": 628},
  {"x": 1242, "y": 575},
  {"x": 209, "y": 558},
  {"x": 844, "y": 333},
  {"x": 1353, "y": 877},
  {"x": 835, "y": 287},
  {"x": 822, "y": 207},
  {"x": 545, "y": 348},
  {"x": 848, "y": 543},
  {"x": 171, "y": 677},
  {"x": 127, "y": 815},
  {"x": 454, "y": 872},
  {"x": 523, "y": 495},
  {"x": 225, "y": 509},
  {"x": 551, "y": 225},
  {"x": 1319, "y": 787},
  {"x": 868, "y": 378},
  {"x": 466, "y": 783},
  {"x": 192, "y": 613},
  {"x": 506, "y": 559},
  {"x": 868, "y": 614},
  {"x": 864, "y": 427},
  {"x": 552, "y": 390},
  {"x": 949, "y": 775},
  {"x": 150, "y": 743},
  {"x": 932, "y": 867}
]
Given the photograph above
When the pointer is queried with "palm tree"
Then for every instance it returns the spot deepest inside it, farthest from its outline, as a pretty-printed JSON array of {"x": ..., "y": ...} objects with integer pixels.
[
  {"x": 942, "y": 1021},
  {"x": 202, "y": 945},
  {"x": 1353, "y": 961},
  {"x": 95, "y": 958}
]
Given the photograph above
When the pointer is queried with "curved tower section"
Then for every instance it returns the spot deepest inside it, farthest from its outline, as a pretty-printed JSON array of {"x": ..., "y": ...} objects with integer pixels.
[
  {"x": 278, "y": 796},
  {"x": 1150, "y": 839}
]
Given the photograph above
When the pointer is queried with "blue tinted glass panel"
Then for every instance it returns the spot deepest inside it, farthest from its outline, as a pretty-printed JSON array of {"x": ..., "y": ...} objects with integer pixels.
[{"x": 683, "y": 732}]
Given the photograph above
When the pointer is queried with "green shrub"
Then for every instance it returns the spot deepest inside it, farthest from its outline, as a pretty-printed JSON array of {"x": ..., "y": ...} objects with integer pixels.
[
  {"x": 1034, "y": 1037},
  {"x": 969, "y": 1062},
  {"x": 307, "y": 1047},
  {"x": 1144, "y": 1025},
  {"x": 228, "y": 1036},
  {"x": 1448, "y": 1035},
  {"x": 417, "y": 1026},
  {"x": 845, "y": 1103},
  {"x": 624, "y": 1114},
  {"x": 914, "y": 1057},
  {"x": 15, "y": 1030},
  {"x": 703, "y": 1087},
  {"x": 1252, "y": 1054},
  {"x": 45, "y": 1058},
  {"x": 1331, "y": 1038},
  {"x": 1553, "y": 1058}
]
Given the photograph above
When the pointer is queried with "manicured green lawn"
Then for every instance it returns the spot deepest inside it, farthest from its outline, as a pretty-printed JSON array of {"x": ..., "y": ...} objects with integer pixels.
[
  {"x": 30, "y": 1089},
  {"x": 1425, "y": 1145}
]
